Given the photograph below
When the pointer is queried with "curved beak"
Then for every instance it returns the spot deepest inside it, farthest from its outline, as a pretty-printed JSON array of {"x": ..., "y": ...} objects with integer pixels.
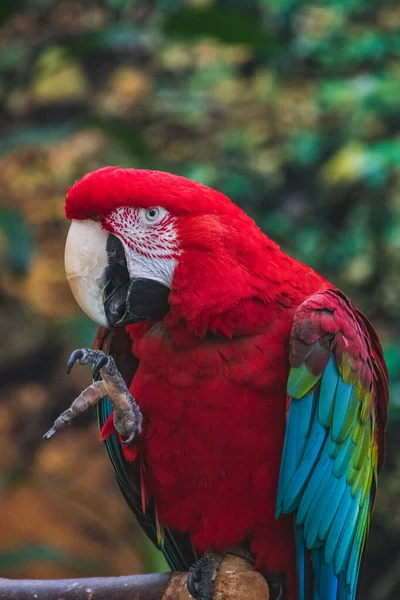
[
  {"x": 96, "y": 270},
  {"x": 85, "y": 267}
]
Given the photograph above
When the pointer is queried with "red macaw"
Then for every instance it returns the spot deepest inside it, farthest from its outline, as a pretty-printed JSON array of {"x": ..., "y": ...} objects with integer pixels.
[{"x": 242, "y": 398}]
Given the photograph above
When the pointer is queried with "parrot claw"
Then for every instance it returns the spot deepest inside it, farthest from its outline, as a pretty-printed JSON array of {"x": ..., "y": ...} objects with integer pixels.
[
  {"x": 130, "y": 439},
  {"x": 127, "y": 415},
  {"x": 276, "y": 584},
  {"x": 49, "y": 433},
  {"x": 202, "y": 574},
  {"x": 76, "y": 355},
  {"x": 99, "y": 364},
  {"x": 191, "y": 585},
  {"x": 98, "y": 358}
]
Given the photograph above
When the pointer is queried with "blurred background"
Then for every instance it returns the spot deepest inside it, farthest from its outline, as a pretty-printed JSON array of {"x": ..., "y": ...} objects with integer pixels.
[{"x": 289, "y": 107}]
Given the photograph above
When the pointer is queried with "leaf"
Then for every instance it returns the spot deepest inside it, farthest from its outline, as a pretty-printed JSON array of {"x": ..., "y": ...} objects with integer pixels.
[
  {"x": 304, "y": 148},
  {"x": 8, "y": 9},
  {"x": 116, "y": 38},
  {"x": 131, "y": 139},
  {"x": 347, "y": 165},
  {"x": 32, "y": 135},
  {"x": 19, "y": 240},
  {"x": 392, "y": 357},
  {"x": 225, "y": 24}
]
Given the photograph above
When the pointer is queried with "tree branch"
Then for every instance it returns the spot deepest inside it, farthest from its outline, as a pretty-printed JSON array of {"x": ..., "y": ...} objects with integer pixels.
[
  {"x": 236, "y": 580},
  {"x": 140, "y": 587}
]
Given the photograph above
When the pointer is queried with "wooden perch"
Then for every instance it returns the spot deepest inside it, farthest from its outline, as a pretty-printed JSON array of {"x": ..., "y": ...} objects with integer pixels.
[{"x": 236, "y": 580}]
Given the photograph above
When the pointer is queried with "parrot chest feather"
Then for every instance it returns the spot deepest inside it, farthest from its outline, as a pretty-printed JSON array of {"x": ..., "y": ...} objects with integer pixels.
[{"x": 214, "y": 422}]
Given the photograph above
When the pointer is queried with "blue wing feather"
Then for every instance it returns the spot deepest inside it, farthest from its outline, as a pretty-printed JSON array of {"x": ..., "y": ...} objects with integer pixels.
[
  {"x": 317, "y": 560},
  {"x": 314, "y": 490},
  {"x": 319, "y": 454},
  {"x": 343, "y": 458},
  {"x": 297, "y": 438},
  {"x": 328, "y": 583},
  {"x": 314, "y": 517},
  {"x": 326, "y": 394},
  {"x": 301, "y": 476},
  {"x": 343, "y": 394},
  {"x": 303, "y": 565},
  {"x": 332, "y": 507},
  {"x": 348, "y": 534},
  {"x": 338, "y": 524}
]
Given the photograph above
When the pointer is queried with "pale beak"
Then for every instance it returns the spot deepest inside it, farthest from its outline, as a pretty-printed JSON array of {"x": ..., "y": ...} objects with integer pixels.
[
  {"x": 96, "y": 269},
  {"x": 86, "y": 261}
]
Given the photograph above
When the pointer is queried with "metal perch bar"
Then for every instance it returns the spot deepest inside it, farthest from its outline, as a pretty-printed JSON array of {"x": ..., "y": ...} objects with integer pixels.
[{"x": 236, "y": 580}]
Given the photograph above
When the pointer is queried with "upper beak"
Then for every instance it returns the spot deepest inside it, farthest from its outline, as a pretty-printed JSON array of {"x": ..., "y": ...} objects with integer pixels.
[
  {"x": 97, "y": 273},
  {"x": 85, "y": 267}
]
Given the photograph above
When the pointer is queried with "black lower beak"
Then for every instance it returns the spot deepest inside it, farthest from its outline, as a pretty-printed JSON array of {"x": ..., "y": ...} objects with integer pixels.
[{"x": 130, "y": 301}]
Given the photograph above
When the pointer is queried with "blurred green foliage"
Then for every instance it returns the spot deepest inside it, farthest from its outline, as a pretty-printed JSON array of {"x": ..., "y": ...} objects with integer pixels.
[
  {"x": 290, "y": 107},
  {"x": 17, "y": 256}
]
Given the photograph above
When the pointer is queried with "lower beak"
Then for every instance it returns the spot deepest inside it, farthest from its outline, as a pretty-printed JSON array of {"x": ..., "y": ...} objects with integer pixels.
[{"x": 97, "y": 273}]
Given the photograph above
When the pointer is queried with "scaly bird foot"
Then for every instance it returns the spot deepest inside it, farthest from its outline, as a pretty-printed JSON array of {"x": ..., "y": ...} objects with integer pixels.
[
  {"x": 127, "y": 415},
  {"x": 276, "y": 584},
  {"x": 202, "y": 574}
]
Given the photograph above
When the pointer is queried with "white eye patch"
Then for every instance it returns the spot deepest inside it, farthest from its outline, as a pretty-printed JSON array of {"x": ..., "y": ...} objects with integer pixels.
[{"x": 150, "y": 241}]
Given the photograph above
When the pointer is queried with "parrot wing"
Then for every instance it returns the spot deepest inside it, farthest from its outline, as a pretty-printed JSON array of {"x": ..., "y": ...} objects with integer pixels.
[
  {"x": 334, "y": 442},
  {"x": 175, "y": 547}
]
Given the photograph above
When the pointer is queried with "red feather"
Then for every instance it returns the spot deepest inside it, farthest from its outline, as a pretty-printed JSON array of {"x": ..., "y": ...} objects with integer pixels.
[
  {"x": 211, "y": 381},
  {"x": 102, "y": 191}
]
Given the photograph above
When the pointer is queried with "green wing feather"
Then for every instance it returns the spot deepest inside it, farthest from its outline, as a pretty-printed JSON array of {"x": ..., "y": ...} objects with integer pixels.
[
  {"x": 176, "y": 547},
  {"x": 332, "y": 445}
]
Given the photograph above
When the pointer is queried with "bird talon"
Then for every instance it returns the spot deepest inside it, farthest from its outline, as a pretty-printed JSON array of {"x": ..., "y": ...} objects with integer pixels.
[
  {"x": 130, "y": 439},
  {"x": 191, "y": 585},
  {"x": 75, "y": 355},
  {"x": 276, "y": 584},
  {"x": 84, "y": 356},
  {"x": 99, "y": 364},
  {"x": 203, "y": 573},
  {"x": 50, "y": 433},
  {"x": 127, "y": 415}
]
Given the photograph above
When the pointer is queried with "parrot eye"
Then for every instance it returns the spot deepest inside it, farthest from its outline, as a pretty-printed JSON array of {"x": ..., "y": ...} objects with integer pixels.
[{"x": 153, "y": 215}]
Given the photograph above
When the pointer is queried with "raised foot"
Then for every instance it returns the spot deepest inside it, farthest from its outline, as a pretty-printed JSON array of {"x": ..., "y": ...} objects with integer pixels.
[
  {"x": 127, "y": 415},
  {"x": 202, "y": 574}
]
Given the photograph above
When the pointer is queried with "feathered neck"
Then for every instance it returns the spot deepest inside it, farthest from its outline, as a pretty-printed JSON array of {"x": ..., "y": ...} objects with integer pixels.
[{"x": 239, "y": 287}]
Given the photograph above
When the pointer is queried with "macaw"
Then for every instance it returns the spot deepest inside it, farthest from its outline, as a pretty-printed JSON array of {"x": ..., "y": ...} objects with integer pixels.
[{"x": 241, "y": 396}]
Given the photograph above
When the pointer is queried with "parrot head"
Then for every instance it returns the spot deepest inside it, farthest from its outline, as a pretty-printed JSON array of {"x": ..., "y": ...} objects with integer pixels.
[{"x": 142, "y": 241}]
